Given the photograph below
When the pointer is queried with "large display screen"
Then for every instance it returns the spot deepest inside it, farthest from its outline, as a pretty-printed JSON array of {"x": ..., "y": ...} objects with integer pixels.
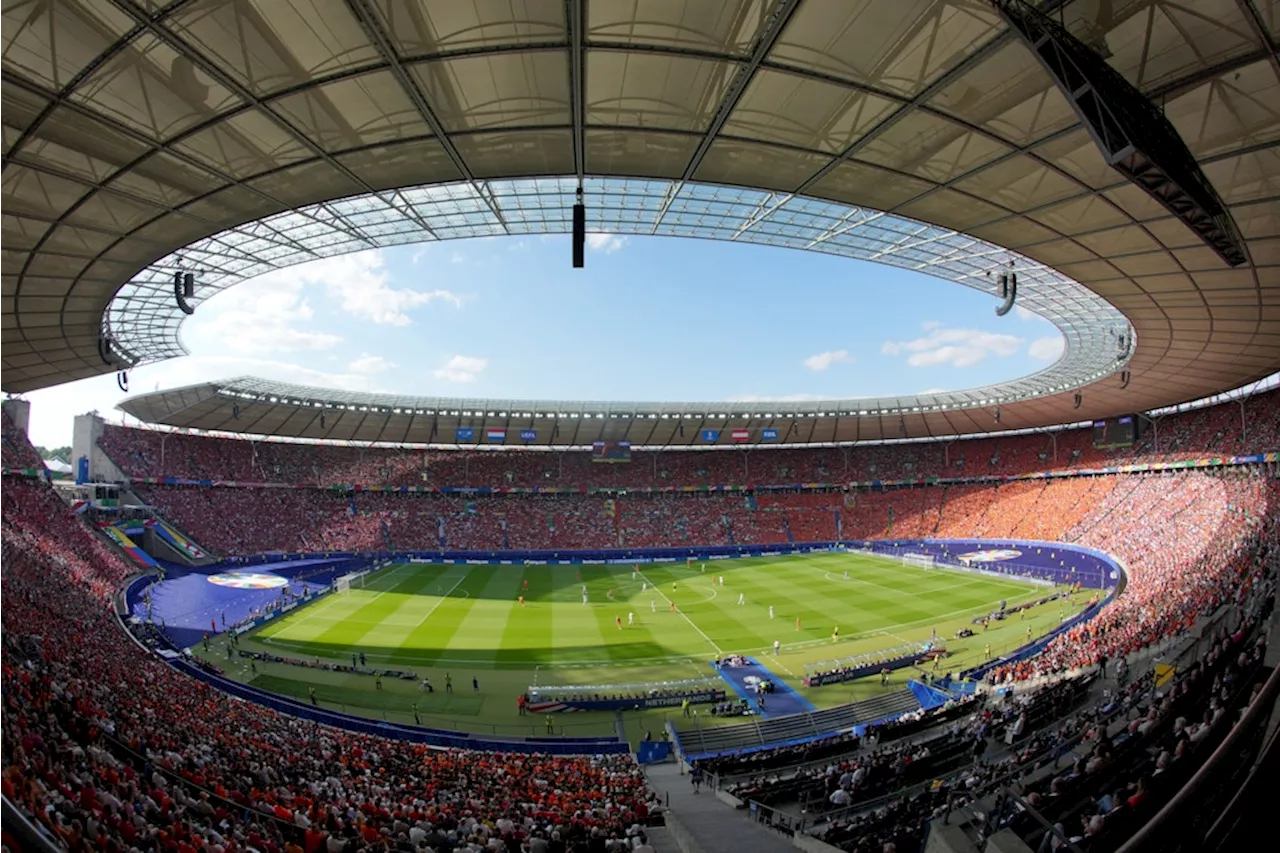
[
  {"x": 611, "y": 451},
  {"x": 1116, "y": 432}
]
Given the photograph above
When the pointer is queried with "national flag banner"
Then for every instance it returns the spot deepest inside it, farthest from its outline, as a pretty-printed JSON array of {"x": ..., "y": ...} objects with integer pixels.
[
  {"x": 768, "y": 435},
  {"x": 528, "y": 435},
  {"x": 496, "y": 435},
  {"x": 711, "y": 436},
  {"x": 740, "y": 435},
  {"x": 466, "y": 434}
]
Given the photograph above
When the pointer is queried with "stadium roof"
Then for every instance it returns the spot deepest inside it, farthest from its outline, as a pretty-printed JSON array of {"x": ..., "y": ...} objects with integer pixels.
[{"x": 246, "y": 136}]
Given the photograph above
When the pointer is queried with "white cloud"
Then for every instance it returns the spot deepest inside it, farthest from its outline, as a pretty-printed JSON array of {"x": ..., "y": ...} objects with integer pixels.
[
  {"x": 456, "y": 258},
  {"x": 258, "y": 317},
  {"x": 954, "y": 347},
  {"x": 461, "y": 368},
  {"x": 930, "y": 325},
  {"x": 1047, "y": 349},
  {"x": 607, "y": 243},
  {"x": 360, "y": 284},
  {"x": 824, "y": 360},
  {"x": 367, "y": 365},
  {"x": 1028, "y": 315}
]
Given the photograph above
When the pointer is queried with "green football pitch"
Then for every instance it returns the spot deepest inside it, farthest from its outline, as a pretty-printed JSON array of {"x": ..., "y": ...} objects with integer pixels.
[{"x": 465, "y": 622}]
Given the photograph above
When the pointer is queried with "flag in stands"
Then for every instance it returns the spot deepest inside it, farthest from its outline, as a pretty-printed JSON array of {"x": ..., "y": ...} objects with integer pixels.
[
  {"x": 497, "y": 435},
  {"x": 740, "y": 435}
]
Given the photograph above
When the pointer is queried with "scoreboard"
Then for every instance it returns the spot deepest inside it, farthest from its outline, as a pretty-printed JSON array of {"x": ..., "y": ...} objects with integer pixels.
[
  {"x": 611, "y": 451},
  {"x": 1116, "y": 432}
]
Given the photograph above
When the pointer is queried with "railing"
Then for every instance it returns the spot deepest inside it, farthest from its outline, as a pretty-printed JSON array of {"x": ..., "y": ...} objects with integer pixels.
[
  {"x": 1053, "y": 754},
  {"x": 1189, "y": 820},
  {"x": 775, "y": 818},
  {"x": 33, "y": 838},
  {"x": 1252, "y": 798}
]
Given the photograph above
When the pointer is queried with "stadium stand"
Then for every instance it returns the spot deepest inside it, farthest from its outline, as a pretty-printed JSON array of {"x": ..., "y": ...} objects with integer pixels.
[
  {"x": 1110, "y": 786},
  {"x": 18, "y": 452},
  {"x": 106, "y": 747},
  {"x": 1214, "y": 430},
  {"x": 1097, "y": 770}
]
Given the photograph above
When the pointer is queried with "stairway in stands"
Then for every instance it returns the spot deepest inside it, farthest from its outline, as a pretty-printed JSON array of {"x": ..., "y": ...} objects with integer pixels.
[{"x": 710, "y": 824}]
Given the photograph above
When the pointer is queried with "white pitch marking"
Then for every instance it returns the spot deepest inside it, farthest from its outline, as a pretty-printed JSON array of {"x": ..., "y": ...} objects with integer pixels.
[
  {"x": 313, "y": 611},
  {"x": 441, "y": 599},
  {"x": 394, "y": 586},
  {"x": 693, "y": 624}
]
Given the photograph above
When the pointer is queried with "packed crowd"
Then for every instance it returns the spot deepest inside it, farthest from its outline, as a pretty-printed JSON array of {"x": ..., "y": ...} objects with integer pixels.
[
  {"x": 1184, "y": 538},
  {"x": 17, "y": 451},
  {"x": 1214, "y": 430},
  {"x": 1131, "y": 751},
  {"x": 866, "y": 767},
  {"x": 1188, "y": 542},
  {"x": 1095, "y": 511},
  {"x": 227, "y": 520},
  {"x": 107, "y": 748},
  {"x": 1131, "y": 767}
]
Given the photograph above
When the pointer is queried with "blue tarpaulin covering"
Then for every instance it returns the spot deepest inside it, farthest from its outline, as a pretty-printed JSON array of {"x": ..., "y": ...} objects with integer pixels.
[{"x": 782, "y": 701}]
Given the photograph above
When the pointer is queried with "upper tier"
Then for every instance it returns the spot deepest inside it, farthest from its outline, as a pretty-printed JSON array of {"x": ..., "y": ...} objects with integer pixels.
[{"x": 1214, "y": 430}]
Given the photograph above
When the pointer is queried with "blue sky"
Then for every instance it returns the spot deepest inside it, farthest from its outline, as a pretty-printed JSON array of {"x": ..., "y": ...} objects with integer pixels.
[{"x": 648, "y": 319}]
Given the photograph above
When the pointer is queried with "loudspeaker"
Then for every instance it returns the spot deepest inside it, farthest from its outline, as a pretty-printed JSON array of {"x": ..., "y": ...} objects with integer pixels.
[{"x": 579, "y": 235}]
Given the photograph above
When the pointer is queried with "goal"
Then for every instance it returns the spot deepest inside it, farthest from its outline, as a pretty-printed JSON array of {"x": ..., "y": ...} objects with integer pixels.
[
  {"x": 920, "y": 561},
  {"x": 345, "y": 582}
]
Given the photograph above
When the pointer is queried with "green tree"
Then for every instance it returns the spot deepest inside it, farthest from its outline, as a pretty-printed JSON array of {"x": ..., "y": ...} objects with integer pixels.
[{"x": 62, "y": 454}]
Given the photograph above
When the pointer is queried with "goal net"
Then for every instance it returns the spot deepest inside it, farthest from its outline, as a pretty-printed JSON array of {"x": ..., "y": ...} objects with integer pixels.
[
  {"x": 345, "y": 582},
  {"x": 920, "y": 561}
]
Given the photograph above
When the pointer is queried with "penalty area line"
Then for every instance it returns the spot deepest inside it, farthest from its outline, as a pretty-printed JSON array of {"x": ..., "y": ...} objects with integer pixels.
[
  {"x": 442, "y": 598},
  {"x": 391, "y": 588},
  {"x": 692, "y": 624}
]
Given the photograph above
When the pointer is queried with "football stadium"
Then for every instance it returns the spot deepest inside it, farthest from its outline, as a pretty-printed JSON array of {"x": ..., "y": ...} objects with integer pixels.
[{"x": 249, "y": 612}]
